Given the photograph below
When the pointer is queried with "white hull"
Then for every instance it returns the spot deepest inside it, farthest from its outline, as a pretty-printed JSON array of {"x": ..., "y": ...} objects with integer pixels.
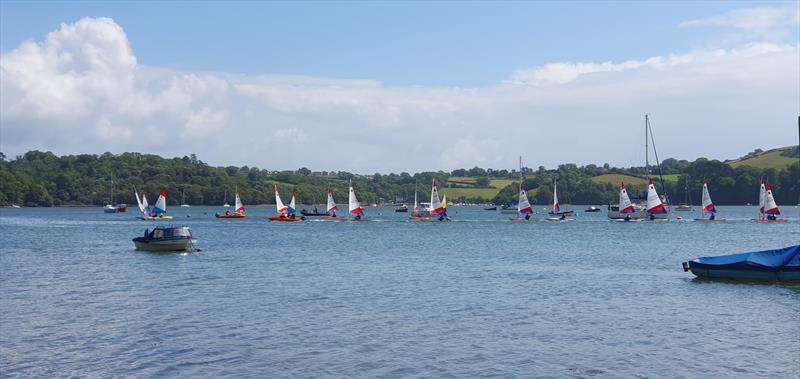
[{"x": 155, "y": 218}]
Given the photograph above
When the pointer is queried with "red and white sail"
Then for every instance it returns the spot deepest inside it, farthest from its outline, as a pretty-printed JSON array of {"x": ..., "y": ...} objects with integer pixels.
[
  {"x": 654, "y": 204},
  {"x": 161, "y": 204},
  {"x": 556, "y": 206},
  {"x": 523, "y": 205},
  {"x": 625, "y": 205},
  {"x": 331, "y": 204},
  {"x": 770, "y": 207},
  {"x": 708, "y": 205},
  {"x": 282, "y": 209},
  {"x": 239, "y": 206},
  {"x": 354, "y": 205},
  {"x": 762, "y": 192},
  {"x": 436, "y": 204}
]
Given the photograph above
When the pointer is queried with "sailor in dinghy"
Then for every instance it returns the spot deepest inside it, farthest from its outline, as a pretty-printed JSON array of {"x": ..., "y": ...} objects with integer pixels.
[
  {"x": 356, "y": 211},
  {"x": 625, "y": 206},
  {"x": 771, "y": 210},
  {"x": 524, "y": 207},
  {"x": 438, "y": 212},
  {"x": 709, "y": 212},
  {"x": 285, "y": 214},
  {"x": 655, "y": 208}
]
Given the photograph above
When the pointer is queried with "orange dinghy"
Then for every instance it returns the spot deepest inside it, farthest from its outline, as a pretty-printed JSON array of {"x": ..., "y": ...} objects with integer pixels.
[
  {"x": 285, "y": 214},
  {"x": 238, "y": 211},
  {"x": 283, "y": 218}
]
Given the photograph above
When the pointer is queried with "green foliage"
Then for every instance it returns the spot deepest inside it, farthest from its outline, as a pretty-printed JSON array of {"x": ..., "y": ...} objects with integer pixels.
[{"x": 44, "y": 179}]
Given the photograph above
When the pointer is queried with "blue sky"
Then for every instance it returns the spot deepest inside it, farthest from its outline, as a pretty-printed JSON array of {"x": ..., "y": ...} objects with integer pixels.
[
  {"x": 399, "y": 86},
  {"x": 403, "y": 43}
]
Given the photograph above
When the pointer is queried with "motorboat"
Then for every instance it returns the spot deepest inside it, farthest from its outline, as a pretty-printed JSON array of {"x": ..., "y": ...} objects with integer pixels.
[
  {"x": 166, "y": 239},
  {"x": 592, "y": 208}
]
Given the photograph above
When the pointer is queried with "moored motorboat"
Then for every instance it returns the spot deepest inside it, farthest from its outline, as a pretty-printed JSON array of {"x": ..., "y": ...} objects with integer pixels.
[
  {"x": 122, "y": 207},
  {"x": 401, "y": 209},
  {"x": 772, "y": 265},
  {"x": 592, "y": 208},
  {"x": 109, "y": 209},
  {"x": 166, "y": 239},
  {"x": 490, "y": 209}
]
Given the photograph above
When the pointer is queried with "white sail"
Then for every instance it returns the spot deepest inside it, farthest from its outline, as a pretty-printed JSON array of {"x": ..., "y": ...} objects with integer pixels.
[
  {"x": 770, "y": 207},
  {"x": 625, "y": 205},
  {"x": 282, "y": 209},
  {"x": 239, "y": 206},
  {"x": 138, "y": 201},
  {"x": 416, "y": 205},
  {"x": 354, "y": 205},
  {"x": 436, "y": 204},
  {"x": 654, "y": 204},
  {"x": 523, "y": 205},
  {"x": 331, "y": 204},
  {"x": 556, "y": 206},
  {"x": 762, "y": 192},
  {"x": 708, "y": 205}
]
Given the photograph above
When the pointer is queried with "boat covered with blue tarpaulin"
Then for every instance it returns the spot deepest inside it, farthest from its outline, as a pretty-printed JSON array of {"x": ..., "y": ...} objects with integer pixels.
[{"x": 776, "y": 265}]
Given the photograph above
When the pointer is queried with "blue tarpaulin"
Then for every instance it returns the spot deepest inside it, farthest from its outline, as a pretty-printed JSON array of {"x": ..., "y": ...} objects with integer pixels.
[{"x": 784, "y": 263}]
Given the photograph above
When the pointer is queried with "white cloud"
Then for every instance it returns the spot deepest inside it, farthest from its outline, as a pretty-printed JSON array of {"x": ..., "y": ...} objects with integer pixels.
[
  {"x": 81, "y": 90},
  {"x": 761, "y": 21}
]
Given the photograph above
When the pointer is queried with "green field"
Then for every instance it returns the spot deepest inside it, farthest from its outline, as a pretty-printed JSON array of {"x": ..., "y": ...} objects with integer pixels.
[
  {"x": 482, "y": 193},
  {"x": 616, "y": 178},
  {"x": 496, "y": 184},
  {"x": 768, "y": 159}
]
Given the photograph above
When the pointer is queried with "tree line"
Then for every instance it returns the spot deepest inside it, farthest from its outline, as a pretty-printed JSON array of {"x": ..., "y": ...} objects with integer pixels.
[{"x": 44, "y": 179}]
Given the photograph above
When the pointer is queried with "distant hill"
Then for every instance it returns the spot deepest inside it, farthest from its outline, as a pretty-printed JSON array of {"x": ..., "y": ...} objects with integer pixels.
[{"x": 777, "y": 159}]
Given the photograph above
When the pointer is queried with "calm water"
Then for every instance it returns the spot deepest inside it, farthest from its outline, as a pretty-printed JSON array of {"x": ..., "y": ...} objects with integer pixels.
[{"x": 477, "y": 297}]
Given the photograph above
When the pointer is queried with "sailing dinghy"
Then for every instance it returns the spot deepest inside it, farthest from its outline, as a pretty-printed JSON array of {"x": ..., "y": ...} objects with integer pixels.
[
  {"x": 709, "y": 212},
  {"x": 556, "y": 212},
  {"x": 438, "y": 210},
  {"x": 330, "y": 208},
  {"x": 626, "y": 208},
  {"x": 771, "y": 210},
  {"x": 655, "y": 208},
  {"x": 355, "y": 210},
  {"x": 158, "y": 211},
  {"x": 285, "y": 214},
  {"x": 238, "y": 211},
  {"x": 524, "y": 207}
]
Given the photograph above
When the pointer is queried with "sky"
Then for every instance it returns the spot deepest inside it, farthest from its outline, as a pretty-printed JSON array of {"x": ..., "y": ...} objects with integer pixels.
[{"x": 399, "y": 86}]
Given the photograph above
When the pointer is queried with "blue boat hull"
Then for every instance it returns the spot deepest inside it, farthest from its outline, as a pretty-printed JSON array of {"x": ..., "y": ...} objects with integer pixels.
[{"x": 773, "y": 265}]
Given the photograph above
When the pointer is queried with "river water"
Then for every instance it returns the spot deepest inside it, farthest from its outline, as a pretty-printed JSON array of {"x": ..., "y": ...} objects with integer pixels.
[{"x": 479, "y": 296}]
